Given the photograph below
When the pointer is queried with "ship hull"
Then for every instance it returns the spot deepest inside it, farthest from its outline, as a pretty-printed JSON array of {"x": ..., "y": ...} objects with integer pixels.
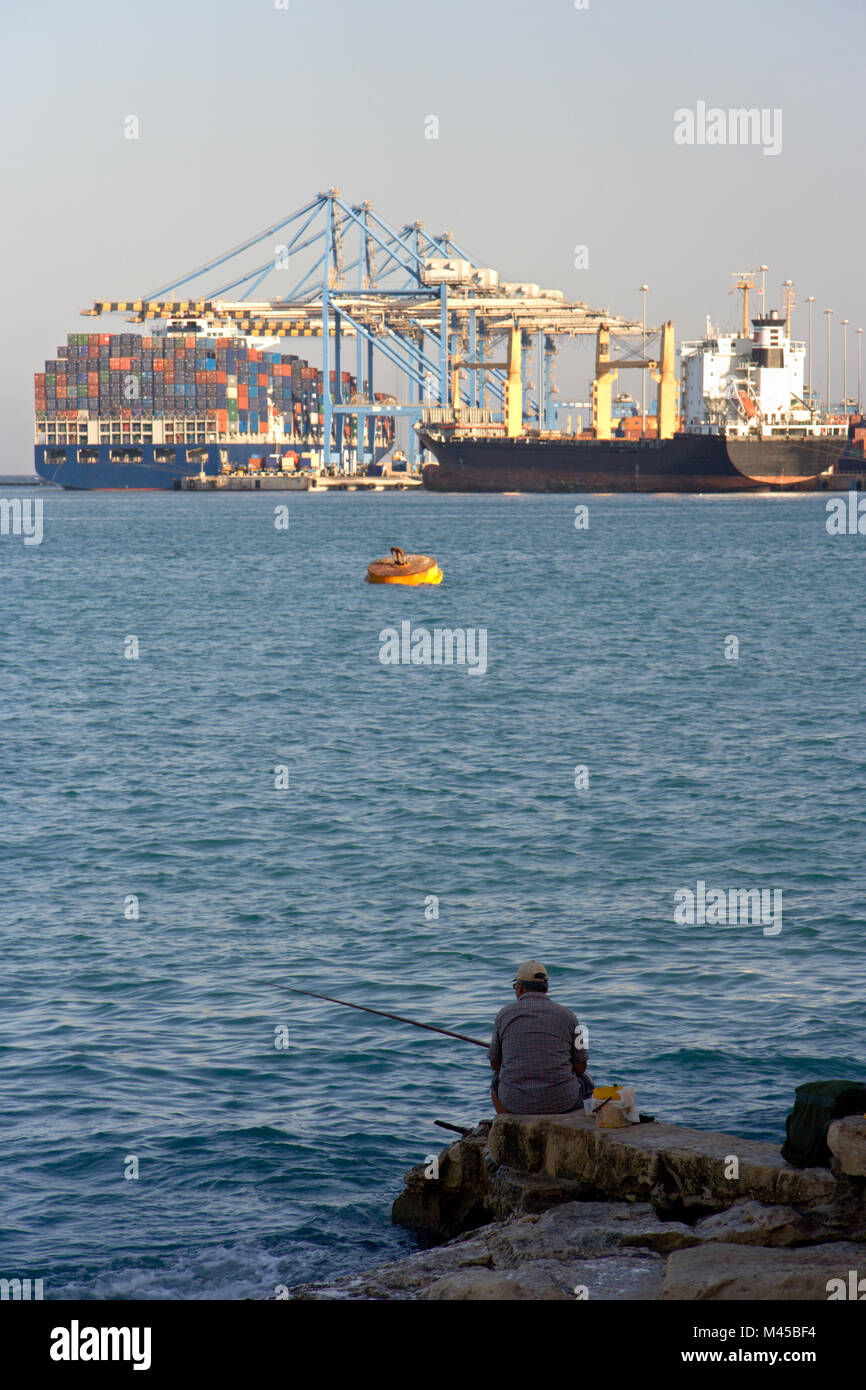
[
  {"x": 143, "y": 468},
  {"x": 685, "y": 463}
]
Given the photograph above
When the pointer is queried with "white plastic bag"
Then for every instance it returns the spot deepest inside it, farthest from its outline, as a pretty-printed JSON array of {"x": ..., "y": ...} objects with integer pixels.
[{"x": 629, "y": 1108}]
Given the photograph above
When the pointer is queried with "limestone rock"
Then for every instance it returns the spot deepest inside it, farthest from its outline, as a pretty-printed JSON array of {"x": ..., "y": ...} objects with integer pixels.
[
  {"x": 437, "y": 1208},
  {"x": 406, "y": 1278},
  {"x": 734, "y": 1273},
  {"x": 575, "y": 1206},
  {"x": 844, "y": 1217},
  {"x": 846, "y": 1140},
  {"x": 612, "y": 1249},
  {"x": 754, "y": 1223},
  {"x": 513, "y": 1192},
  {"x": 543, "y": 1281},
  {"x": 624, "y": 1277},
  {"x": 586, "y": 1229},
  {"x": 681, "y": 1170}
]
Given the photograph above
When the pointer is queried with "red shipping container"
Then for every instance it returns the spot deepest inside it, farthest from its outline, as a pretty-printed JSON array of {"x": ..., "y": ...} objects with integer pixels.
[
  {"x": 189, "y": 340},
  {"x": 114, "y": 363},
  {"x": 221, "y": 378},
  {"x": 105, "y": 340},
  {"x": 147, "y": 342}
]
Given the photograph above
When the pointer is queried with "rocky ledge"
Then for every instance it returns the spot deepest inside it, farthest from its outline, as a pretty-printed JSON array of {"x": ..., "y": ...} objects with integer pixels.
[{"x": 552, "y": 1207}]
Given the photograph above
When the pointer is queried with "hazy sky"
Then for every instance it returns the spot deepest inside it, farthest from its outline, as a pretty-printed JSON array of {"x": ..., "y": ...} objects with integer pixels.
[{"x": 556, "y": 129}]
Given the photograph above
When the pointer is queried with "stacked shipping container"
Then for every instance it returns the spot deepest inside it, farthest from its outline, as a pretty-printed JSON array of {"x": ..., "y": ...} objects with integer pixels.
[{"x": 178, "y": 377}]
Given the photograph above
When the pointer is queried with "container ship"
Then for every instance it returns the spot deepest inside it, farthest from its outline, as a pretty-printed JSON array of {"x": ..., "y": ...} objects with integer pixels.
[
  {"x": 125, "y": 411},
  {"x": 746, "y": 424}
]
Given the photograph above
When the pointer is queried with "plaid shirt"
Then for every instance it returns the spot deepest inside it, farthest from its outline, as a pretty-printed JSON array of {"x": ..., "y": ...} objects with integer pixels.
[{"x": 533, "y": 1048}]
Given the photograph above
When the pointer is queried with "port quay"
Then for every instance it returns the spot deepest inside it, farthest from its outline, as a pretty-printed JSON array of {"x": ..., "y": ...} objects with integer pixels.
[
  {"x": 205, "y": 399},
  {"x": 203, "y": 389}
]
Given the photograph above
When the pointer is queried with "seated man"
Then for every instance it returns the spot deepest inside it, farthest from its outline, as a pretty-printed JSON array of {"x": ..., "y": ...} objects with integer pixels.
[{"x": 539, "y": 1069}]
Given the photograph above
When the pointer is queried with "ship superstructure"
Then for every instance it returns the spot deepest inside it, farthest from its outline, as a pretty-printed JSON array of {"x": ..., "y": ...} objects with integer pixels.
[{"x": 750, "y": 387}]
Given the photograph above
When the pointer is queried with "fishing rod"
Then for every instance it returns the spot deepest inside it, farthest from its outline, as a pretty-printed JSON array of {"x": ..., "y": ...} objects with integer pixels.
[{"x": 381, "y": 1013}]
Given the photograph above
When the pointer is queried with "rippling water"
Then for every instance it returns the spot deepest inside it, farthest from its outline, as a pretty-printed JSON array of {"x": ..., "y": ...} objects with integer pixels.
[{"x": 155, "y": 777}]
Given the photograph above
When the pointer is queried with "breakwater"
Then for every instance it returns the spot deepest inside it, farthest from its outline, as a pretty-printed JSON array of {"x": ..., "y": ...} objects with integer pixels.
[{"x": 552, "y": 1208}]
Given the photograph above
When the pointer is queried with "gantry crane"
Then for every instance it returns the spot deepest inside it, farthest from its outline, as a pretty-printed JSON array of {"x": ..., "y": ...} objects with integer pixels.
[{"x": 416, "y": 300}]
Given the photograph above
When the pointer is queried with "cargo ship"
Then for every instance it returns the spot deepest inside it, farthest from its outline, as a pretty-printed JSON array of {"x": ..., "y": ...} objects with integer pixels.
[
  {"x": 133, "y": 412},
  {"x": 746, "y": 424}
]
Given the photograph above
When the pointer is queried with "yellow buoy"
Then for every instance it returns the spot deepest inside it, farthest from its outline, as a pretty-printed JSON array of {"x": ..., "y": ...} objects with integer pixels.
[{"x": 404, "y": 569}]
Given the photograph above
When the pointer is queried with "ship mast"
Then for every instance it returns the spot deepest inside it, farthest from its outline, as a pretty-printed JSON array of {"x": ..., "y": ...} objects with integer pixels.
[
  {"x": 789, "y": 299},
  {"x": 745, "y": 282}
]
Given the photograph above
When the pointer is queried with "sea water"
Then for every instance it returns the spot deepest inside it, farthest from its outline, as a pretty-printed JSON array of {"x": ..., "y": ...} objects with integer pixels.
[{"x": 215, "y": 787}]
